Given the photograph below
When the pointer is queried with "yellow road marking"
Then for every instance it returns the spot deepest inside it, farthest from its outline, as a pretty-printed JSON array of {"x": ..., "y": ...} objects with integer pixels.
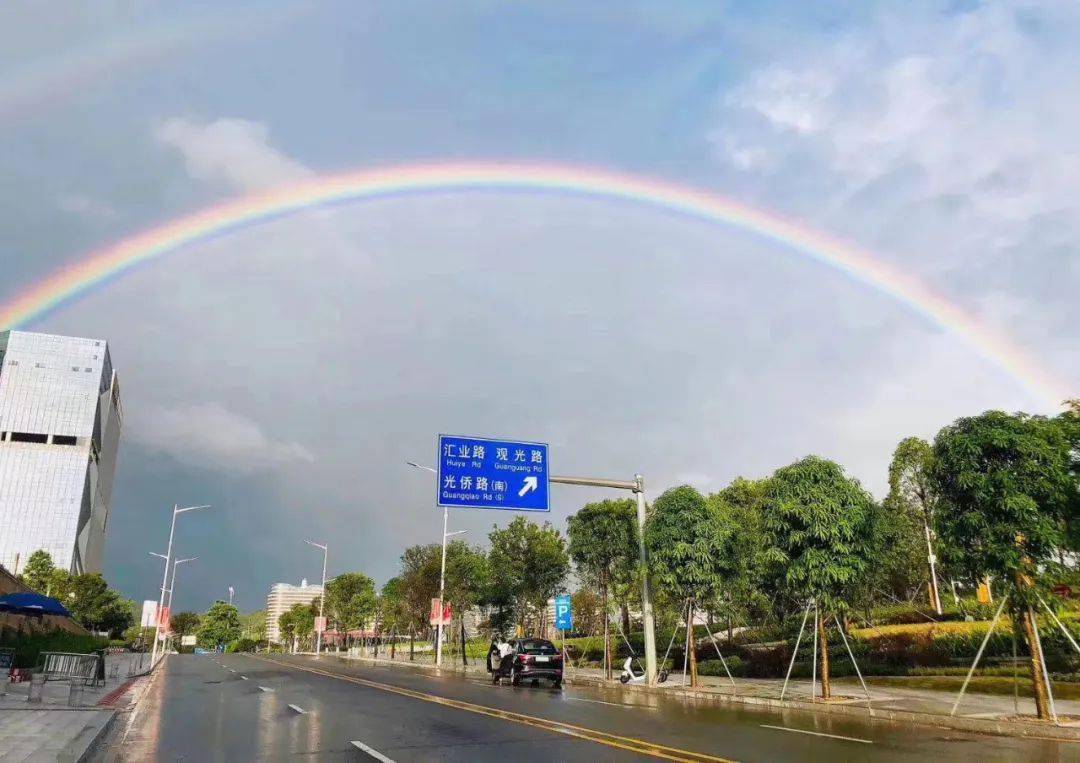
[{"x": 559, "y": 727}]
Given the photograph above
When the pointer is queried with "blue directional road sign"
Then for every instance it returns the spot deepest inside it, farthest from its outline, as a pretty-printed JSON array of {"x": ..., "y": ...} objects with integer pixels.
[
  {"x": 564, "y": 618},
  {"x": 479, "y": 473}
]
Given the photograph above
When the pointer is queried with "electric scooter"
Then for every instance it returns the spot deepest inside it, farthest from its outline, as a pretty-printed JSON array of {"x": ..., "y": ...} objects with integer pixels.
[{"x": 628, "y": 676}]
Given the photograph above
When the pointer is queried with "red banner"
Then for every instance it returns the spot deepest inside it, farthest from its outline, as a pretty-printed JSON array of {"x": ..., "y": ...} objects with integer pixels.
[
  {"x": 163, "y": 619},
  {"x": 433, "y": 615}
]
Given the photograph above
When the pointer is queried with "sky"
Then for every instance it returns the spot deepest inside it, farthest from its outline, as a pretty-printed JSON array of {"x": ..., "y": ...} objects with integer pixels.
[{"x": 284, "y": 373}]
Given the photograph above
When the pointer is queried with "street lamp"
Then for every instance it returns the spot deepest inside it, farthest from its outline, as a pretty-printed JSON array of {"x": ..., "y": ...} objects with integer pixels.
[
  {"x": 442, "y": 568},
  {"x": 322, "y": 599},
  {"x": 165, "y": 578},
  {"x": 172, "y": 585}
]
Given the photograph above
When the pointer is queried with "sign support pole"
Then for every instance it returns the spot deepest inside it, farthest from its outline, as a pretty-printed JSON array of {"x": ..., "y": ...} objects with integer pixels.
[
  {"x": 442, "y": 591},
  {"x": 638, "y": 488}
]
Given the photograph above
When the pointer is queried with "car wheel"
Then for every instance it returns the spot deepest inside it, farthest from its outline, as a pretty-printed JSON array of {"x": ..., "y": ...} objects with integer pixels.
[
  {"x": 662, "y": 677},
  {"x": 557, "y": 683},
  {"x": 536, "y": 682}
]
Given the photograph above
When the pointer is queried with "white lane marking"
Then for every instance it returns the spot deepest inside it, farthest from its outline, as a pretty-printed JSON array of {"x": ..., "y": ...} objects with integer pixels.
[
  {"x": 816, "y": 733},
  {"x": 297, "y": 709},
  {"x": 244, "y": 677},
  {"x": 598, "y": 702},
  {"x": 372, "y": 752},
  {"x": 266, "y": 688}
]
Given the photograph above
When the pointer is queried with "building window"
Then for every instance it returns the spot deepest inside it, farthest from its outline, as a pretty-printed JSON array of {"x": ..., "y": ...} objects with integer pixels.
[
  {"x": 28, "y": 437},
  {"x": 63, "y": 439}
]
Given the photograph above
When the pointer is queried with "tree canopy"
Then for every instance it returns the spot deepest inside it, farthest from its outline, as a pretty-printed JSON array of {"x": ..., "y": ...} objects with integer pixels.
[
  {"x": 817, "y": 525},
  {"x": 529, "y": 564},
  {"x": 350, "y": 600},
  {"x": 184, "y": 623},
  {"x": 39, "y": 571},
  {"x": 1007, "y": 488},
  {"x": 684, "y": 539},
  {"x": 220, "y": 625}
]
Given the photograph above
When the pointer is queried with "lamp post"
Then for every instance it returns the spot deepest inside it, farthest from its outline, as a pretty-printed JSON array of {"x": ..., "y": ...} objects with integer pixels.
[
  {"x": 165, "y": 577},
  {"x": 172, "y": 583},
  {"x": 322, "y": 599},
  {"x": 442, "y": 568}
]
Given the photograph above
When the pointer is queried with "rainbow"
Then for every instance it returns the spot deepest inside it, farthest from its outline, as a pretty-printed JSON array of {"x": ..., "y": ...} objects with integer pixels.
[{"x": 99, "y": 266}]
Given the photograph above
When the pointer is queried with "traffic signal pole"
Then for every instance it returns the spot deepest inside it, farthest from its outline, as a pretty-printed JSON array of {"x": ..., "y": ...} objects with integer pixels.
[{"x": 637, "y": 486}]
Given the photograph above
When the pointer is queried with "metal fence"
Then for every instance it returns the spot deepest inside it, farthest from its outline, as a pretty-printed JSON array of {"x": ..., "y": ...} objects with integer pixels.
[{"x": 90, "y": 668}]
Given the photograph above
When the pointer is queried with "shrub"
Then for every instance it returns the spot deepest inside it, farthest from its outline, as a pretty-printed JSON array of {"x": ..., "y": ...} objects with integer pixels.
[{"x": 29, "y": 646}]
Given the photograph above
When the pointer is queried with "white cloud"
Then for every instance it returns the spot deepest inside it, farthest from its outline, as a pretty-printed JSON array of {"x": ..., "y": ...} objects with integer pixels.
[
  {"x": 91, "y": 209},
  {"x": 948, "y": 140},
  {"x": 236, "y": 152},
  {"x": 210, "y": 435}
]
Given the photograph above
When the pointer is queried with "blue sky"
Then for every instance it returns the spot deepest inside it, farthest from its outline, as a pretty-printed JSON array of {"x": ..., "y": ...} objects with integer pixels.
[{"x": 286, "y": 372}]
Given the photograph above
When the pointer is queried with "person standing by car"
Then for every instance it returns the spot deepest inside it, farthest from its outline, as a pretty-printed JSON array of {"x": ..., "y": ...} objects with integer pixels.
[{"x": 500, "y": 649}]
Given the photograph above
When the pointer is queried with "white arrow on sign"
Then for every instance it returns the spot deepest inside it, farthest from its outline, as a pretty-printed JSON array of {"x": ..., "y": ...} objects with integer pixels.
[{"x": 530, "y": 485}]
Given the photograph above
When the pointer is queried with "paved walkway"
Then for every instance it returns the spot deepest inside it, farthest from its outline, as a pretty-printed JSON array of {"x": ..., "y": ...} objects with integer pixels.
[{"x": 55, "y": 730}]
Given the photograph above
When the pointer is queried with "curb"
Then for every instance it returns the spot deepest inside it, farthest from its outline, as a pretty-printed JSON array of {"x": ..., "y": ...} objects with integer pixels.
[
  {"x": 1033, "y": 730},
  {"x": 83, "y": 745}
]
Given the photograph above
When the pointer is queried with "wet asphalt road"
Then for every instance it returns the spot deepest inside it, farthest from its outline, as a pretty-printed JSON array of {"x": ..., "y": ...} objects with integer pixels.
[{"x": 237, "y": 708}]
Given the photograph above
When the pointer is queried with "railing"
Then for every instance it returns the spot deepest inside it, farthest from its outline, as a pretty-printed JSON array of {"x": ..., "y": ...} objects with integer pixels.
[{"x": 90, "y": 668}]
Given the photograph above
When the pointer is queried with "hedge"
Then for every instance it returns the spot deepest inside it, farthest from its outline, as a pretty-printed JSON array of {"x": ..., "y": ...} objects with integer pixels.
[{"x": 28, "y": 647}]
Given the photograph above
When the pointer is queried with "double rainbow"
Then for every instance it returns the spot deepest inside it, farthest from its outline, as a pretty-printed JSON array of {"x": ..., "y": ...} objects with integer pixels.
[{"x": 99, "y": 266}]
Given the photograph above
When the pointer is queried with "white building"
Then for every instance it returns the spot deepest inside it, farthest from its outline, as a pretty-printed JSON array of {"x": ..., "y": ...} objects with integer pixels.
[
  {"x": 60, "y": 422},
  {"x": 281, "y": 599}
]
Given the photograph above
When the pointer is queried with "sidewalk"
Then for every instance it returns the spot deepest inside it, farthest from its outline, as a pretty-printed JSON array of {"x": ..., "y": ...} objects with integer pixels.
[
  {"x": 988, "y": 713},
  {"x": 54, "y": 730}
]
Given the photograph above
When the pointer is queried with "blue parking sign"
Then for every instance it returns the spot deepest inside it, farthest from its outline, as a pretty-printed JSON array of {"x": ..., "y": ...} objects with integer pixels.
[
  {"x": 564, "y": 617},
  {"x": 481, "y": 473}
]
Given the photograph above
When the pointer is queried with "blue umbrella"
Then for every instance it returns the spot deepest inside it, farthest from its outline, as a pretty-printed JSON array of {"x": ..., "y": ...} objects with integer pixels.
[{"x": 32, "y": 604}]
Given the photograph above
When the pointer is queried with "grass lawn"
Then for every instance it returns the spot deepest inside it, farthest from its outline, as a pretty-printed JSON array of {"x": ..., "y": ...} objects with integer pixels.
[
  {"x": 929, "y": 629},
  {"x": 979, "y": 684}
]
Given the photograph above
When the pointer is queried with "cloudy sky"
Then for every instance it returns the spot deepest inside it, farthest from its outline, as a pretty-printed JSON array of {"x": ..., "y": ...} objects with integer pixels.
[{"x": 284, "y": 373}]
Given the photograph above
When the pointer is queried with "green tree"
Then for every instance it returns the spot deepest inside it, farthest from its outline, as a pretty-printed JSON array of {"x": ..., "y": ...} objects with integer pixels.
[
  {"x": 588, "y": 611},
  {"x": 38, "y": 571},
  {"x": 184, "y": 623},
  {"x": 94, "y": 605},
  {"x": 603, "y": 545},
  {"x": 529, "y": 565},
  {"x": 467, "y": 578},
  {"x": 253, "y": 625},
  {"x": 220, "y": 625},
  {"x": 393, "y": 610},
  {"x": 1007, "y": 487},
  {"x": 420, "y": 583},
  {"x": 817, "y": 524},
  {"x": 739, "y": 513},
  {"x": 686, "y": 556},
  {"x": 911, "y": 505},
  {"x": 350, "y": 600}
]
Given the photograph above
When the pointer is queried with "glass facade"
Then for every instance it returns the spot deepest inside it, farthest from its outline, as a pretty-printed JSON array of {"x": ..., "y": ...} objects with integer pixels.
[{"x": 60, "y": 422}]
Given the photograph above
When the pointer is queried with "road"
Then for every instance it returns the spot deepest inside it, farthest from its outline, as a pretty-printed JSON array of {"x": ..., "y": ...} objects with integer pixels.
[{"x": 243, "y": 707}]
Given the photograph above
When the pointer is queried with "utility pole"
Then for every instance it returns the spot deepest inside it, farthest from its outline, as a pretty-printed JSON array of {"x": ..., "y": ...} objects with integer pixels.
[{"x": 637, "y": 486}]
